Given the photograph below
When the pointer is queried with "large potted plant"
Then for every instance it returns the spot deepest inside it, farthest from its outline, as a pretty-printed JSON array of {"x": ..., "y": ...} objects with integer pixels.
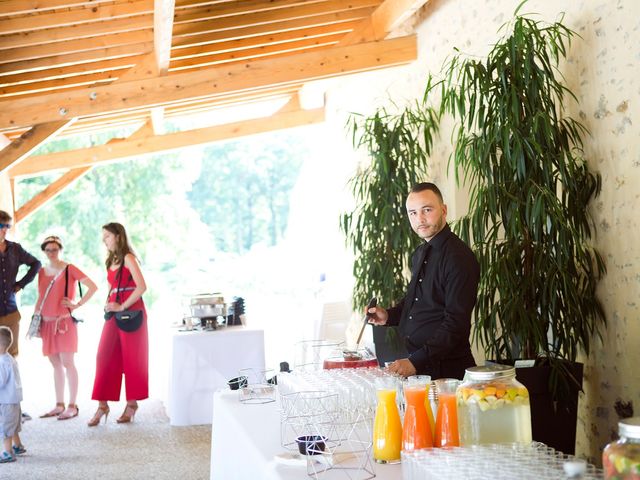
[
  {"x": 521, "y": 158},
  {"x": 398, "y": 146}
]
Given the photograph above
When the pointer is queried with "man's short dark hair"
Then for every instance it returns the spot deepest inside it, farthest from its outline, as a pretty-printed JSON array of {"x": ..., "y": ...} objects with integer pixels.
[
  {"x": 5, "y": 217},
  {"x": 421, "y": 187}
]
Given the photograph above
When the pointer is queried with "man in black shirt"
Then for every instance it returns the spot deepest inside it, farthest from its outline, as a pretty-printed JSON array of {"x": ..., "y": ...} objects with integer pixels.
[{"x": 434, "y": 317}]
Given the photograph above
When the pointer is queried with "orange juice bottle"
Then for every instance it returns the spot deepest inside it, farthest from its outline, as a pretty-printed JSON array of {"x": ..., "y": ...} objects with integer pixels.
[
  {"x": 416, "y": 432},
  {"x": 426, "y": 380},
  {"x": 387, "y": 429},
  {"x": 447, "y": 418}
]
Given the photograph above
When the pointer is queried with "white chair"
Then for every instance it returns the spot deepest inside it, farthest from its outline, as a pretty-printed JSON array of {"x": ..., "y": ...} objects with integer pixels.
[{"x": 334, "y": 320}]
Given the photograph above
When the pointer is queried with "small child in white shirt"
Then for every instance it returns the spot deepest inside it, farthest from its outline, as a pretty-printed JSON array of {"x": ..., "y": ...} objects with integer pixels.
[{"x": 10, "y": 398}]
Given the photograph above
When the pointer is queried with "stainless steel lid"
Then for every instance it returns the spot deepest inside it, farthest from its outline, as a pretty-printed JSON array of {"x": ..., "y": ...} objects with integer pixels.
[
  {"x": 629, "y": 427},
  {"x": 207, "y": 299},
  {"x": 490, "y": 371}
]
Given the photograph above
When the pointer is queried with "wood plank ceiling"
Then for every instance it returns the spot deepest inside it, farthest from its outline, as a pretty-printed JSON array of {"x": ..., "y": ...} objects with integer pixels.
[{"x": 71, "y": 67}]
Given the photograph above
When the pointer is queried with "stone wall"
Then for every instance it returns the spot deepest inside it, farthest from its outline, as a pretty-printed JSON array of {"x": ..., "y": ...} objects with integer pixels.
[{"x": 602, "y": 70}]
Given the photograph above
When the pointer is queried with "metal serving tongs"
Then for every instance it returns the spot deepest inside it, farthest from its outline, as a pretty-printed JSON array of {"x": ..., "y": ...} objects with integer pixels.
[{"x": 372, "y": 303}]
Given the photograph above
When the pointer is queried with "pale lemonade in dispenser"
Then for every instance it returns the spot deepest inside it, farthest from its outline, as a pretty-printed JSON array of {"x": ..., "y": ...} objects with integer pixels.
[
  {"x": 387, "y": 428},
  {"x": 493, "y": 407}
]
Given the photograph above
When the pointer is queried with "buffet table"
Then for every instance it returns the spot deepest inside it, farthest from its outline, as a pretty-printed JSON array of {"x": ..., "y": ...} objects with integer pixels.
[
  {"x": 202, "y": 362},
  {"x": 245, "y": 443}
]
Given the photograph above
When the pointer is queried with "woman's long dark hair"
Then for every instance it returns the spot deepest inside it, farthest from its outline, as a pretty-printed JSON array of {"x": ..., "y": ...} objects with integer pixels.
[{"x": 122, "y": 244}]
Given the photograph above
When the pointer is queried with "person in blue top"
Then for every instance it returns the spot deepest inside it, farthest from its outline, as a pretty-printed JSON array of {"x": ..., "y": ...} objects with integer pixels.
[
  {"x": 10, "y": 398},
  {"x": 12, "y": 255}
]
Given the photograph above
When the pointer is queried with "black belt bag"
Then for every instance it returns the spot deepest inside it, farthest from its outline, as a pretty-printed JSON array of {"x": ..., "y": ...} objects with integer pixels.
[{"x": 126, "y": 320}]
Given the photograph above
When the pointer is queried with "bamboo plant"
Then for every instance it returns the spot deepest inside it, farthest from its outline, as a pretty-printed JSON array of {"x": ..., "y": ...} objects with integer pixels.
[
  {"x": 521, "y": 157},
  {"x": 398, "y": 146}
]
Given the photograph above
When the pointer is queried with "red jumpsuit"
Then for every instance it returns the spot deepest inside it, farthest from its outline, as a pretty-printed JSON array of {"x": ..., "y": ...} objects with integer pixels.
[{"x": 122, "y": 352}]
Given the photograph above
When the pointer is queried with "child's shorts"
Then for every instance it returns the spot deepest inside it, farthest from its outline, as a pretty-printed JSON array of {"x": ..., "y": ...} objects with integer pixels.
[{"x": 10, "y": 419}]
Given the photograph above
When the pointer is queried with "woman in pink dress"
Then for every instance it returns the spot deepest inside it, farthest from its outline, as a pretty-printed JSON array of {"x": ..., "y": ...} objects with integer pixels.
[
  {"x": 58, "y": 330},
  {"x": 121, "y": 353}
]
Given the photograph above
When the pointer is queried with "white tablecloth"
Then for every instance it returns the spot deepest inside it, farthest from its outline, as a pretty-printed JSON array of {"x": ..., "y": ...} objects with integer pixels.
[
  {"x": 203, "y": 362},
  {"x": 245, "y": 440}
]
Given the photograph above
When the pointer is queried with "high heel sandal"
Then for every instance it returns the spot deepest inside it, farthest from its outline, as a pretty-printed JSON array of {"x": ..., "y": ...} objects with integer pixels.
[
  {"x": 55, "y": 412},
  {"x": 128, "y": 414},
  {"x": 102, "y": 411},
  {"x": 66, "y": 416}
]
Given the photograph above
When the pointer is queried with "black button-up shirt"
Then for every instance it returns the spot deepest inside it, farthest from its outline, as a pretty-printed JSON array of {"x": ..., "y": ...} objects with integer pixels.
[
  {"x": 10, "y": 261},
  {"x": 435, "y": 315}
]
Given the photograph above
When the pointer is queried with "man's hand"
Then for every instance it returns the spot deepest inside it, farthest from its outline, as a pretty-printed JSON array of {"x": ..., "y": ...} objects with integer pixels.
[
  {"x": 16, "y": 289},
  {"x": 377, "y": 315},
  {"x": 402, "y": 367}
]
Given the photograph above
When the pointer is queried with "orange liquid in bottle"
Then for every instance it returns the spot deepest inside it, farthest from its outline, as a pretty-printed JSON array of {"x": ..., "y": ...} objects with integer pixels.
[
  {"x": 447, "y": 421},
  {"x": 416, "y": 432},
  {"x": 387, "y": 428}
]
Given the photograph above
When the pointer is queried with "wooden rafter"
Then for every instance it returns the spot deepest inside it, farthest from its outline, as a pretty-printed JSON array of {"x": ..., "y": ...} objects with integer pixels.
[
  {"x": 250, "y": 54},
  {"x": 109, "y": 53},
  {"x": 236, "y": 14},
  {"x": 143, "y": 145},
  {"x": 51, "y": 191},
  {"x": 280, "y": 38},
  {"x": 59, "y": 185},
  {"x": 81, "y": 31},
  {"x": 133, "y": 117},
  {"x": 18, "y": 7},
  {"x": 236, "y": 77},
  {"x": 388, "y": 16},
  {"x": 193, "y": 34},
  {"x": 22, "y": 147},
  {"x": 70, "y": 17}
]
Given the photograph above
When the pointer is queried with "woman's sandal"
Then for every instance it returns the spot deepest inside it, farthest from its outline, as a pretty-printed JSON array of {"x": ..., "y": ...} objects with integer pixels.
[
  {"x": 128, "y": 414},
  {"x": 55, "y": 412},
  {"x": 102, "y": 411},
  {"x": 71, "y": 411}
]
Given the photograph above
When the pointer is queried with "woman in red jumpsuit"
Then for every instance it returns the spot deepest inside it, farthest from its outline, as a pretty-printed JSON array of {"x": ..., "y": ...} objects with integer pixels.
[{"x": 119, "y": 352}]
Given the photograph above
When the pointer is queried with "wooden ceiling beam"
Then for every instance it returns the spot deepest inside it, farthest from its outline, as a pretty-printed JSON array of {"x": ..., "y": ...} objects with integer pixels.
[
  {"x": 114, "y": 120},
  {"x": 67, "y": 72},
  {"x": 59, "y": 84},
  {"x": 117, "y": 119},
  {"x": 60, "y": 61},
  {"x": 67, "y": 179},
  {"x": 242, "y": 7},
  {"x": 89, "y": 30},
  {"x": 75, "y": 46},
  {"x": 23, "y": 7},
  {"x": 68, "y": 18},
  {"x": 162, "y": 33},
  {"x": 161, "y": 91},
  {"x": 51, "y": 191},
  {"x": 223, "y": 29},
  {"x": 95, "y": 128},
  {"x": 264, "y": 40},
  {"x": 28, "y": 142},
  {"x": 250, "y": 54},
  {"x": 123, "y": 149},
  {"x": 233, "y": 17},
  {"x": 145, "y": 67},
  {"x": 388, "y": 16}
]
